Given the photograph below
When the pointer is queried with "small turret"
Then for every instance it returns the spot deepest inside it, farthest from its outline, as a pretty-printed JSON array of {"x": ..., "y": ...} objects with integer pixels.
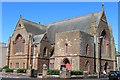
[{"x": 93, "y": 25}]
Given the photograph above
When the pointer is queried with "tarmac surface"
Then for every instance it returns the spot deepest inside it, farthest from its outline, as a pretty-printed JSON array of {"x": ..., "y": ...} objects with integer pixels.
[
  {"x": 14, "y": 77},
  {"x": 49, "y": 79}
]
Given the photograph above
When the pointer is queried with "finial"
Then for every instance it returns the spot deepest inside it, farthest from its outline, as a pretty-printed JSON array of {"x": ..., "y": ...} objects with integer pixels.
[
  {"x": 102, "y": 4},
  {"x": 102, "y": 7},
  {"x": 20, "y": 16},
  {"x": 93, "y": 13}
]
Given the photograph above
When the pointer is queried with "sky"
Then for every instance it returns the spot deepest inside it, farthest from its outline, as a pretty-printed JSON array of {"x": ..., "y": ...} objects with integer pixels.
[{"x": 47, "y": 12}]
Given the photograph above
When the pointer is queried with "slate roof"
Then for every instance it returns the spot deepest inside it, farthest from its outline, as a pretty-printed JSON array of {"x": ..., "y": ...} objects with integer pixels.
[
  {"x": 37, "y": 38},
  {"x": 118, "y": 53},
  {"x": 33, "y": 27},
  {"x": 78, "y": 23}
]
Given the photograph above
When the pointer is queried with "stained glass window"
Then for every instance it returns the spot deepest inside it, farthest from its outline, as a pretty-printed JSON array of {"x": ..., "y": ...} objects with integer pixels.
[{"x": 19, "y": 44}]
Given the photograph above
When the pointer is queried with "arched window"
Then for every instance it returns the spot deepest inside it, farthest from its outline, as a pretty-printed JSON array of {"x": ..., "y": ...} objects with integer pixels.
[
  {"x": 17, "y": 65},
  {"x": 102, "y": 41},
  {"x": 44, "y": 52},
  {"x": 105, "y": 43},
  {"x": 19, "y": 25},
  {"x": 87, "y": 66},
  {"x": 87, "y": 49},
  {"x": 23, "y": 65},
  {"x": 52, "y": 52},
  {"x": 10, "y": 65},
  {"x": 19, "y": 43},
  {"x": 66, "y": 47}
]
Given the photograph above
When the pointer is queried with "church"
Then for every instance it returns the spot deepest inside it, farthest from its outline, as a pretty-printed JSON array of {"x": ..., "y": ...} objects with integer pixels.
[{"x": 81, "y": 43}]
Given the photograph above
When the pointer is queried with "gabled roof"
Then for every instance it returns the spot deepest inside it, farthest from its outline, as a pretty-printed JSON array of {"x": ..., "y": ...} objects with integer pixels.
[
  {"x": 37, "y": 38},
  {"x": 78, "y": 23},
  {"x": 33, "y": 27},
  {"x": 118, "y": 53}
]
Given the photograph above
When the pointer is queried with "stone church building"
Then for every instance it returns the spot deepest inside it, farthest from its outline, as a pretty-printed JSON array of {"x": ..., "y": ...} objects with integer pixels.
[{"x": 81, "y": 43}]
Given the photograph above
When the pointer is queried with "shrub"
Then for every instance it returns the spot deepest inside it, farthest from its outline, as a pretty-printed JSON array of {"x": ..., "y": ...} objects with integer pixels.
[
  {"x": 8, "y": 70},
  {"x": 21, "y": 70},
  {"x": 53, "y": 72},
  {"x": 5, "y": 67},
  {"x": 76, "y": 72}
]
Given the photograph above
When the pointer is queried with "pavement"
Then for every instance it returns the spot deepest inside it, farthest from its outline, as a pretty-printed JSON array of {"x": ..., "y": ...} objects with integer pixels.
[
  {"x": 49, "y": 79},
  {"x": 15, "y": 77}
]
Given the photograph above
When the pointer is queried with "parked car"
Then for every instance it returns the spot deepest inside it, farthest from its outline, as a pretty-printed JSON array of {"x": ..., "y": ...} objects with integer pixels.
[{"x": 114, "y": 75}]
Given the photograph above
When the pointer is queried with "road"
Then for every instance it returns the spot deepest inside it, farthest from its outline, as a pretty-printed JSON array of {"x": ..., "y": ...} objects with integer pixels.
[
  {"x": 48, "y": 79},
  {"x": 13, "y": 77}
]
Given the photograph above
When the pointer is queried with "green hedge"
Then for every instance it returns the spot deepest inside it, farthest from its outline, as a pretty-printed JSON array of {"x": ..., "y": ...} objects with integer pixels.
[
  {"x": 76, "y": 72},
  {"x": 21, "y": 70},
  {"x": 53, "y": 72},
  {"x": 57, "y": 72},
  {"x": 5, "y": 67},
  {"x": 9, "y": 70}
]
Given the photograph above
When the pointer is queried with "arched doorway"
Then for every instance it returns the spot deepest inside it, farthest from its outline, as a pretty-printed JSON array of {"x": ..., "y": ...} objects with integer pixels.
[
  {"x": 65, "y": 64},
  {"x": 106, "y": 67}
]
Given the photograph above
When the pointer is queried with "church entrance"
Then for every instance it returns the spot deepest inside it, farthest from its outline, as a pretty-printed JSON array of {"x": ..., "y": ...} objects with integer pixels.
[{"x": 65, "y": 64}]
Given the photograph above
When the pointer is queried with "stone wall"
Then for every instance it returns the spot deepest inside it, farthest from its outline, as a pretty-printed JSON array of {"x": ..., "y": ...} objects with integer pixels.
[
  {"x": 43, "y": 59},
  {"x": 67, "y": 45},
  {"x": 87, "y": 64},
  {"x": 21, "y": 58},
  {"x": 87, "y": 57},
  {"x": 72, "y": 45},
  {"x": 3, "y": 53}
]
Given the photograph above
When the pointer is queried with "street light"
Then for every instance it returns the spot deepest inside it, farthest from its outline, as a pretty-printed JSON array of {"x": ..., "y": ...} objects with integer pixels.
[{"x": 101, "y": 37}]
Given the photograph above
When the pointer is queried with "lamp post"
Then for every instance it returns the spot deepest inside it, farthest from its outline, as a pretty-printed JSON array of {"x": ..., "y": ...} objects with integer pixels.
[{"x": 101, "y": 37}]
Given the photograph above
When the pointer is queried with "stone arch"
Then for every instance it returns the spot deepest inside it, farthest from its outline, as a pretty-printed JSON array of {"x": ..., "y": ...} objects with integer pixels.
[
  {"x": 87, "y": 66},
  {"x": 103, "y": 33},
  {"x": 18, "y": 44},
  {"x": 44, "y": 51},
  {"x": 66, "y": 62},
  {"x": 52, "y": 52},
  {"x": 106, "y": 66},
  {"x": 105, "y": 47}
]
